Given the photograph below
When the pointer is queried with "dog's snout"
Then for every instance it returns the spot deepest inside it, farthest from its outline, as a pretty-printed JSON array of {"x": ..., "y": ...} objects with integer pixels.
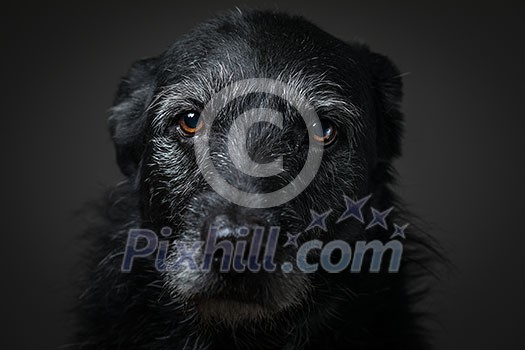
[
  {"x": 233, "y": 238},
  {"x": 226, "y": 226}
]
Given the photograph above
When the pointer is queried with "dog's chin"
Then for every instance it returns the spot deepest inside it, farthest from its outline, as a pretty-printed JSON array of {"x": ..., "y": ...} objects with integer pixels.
[
  {"x": 243, "y": 301},
  {"x": 245, "y": 305},
  {"x": 233, "y": 313}
]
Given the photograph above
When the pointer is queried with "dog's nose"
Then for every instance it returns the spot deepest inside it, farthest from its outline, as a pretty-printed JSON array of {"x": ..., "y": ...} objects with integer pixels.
[
  {"x": 227, "y": 227},
  {"x": 224, "y": 234},
  {"x": 224, "y": 227}
]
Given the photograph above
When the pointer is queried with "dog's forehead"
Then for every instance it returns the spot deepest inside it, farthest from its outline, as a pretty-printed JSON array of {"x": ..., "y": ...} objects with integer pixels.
[
  {"x": 262, "y": 44},
  {"x": 312, "y": 64}
]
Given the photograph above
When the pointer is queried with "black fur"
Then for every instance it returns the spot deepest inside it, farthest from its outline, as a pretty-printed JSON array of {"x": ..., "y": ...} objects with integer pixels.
[{"x": 142, "y": 310}]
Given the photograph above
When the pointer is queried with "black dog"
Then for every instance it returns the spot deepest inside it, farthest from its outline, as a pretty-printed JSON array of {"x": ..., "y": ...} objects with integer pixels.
[{"x": 155, "y": 123}]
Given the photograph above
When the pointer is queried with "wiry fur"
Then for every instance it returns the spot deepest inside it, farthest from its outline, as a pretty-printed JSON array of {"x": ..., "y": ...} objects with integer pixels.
[{"x": 347, "y": 83}]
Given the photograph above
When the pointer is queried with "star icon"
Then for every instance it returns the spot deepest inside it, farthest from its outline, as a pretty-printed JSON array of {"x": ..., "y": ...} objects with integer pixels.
[
  {"x": 318, "y": 220},
  {"x": 292, "y": 240},
  {"x": 399, "y": 231},
  {"x": 379, "y": 218},
  {"x": 354, "y": 209}
]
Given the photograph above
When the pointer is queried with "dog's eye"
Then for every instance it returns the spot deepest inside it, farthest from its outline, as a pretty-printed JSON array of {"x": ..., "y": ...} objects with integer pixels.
[
  {"x": 329, "y": 132},
  {"x": 189, "y": 123}
]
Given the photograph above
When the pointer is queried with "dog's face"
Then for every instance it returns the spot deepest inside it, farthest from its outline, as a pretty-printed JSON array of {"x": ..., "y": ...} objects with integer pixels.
[{"x": 157, "y": 120}]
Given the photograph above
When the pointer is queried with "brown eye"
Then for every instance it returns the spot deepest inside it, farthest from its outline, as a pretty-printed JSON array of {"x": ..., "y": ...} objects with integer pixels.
[
  {"x": 329, "y": 133},
  {"x": 189, "y": 123}
]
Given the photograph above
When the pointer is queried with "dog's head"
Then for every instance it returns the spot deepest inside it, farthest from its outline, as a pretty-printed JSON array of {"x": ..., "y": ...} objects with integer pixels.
[{"x": 158, "y": 118}]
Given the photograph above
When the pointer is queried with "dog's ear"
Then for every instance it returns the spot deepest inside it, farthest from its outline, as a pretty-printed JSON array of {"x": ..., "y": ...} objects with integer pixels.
[
  {"x": 127, "y": 118},
  {"x": 388, "y": 93}
]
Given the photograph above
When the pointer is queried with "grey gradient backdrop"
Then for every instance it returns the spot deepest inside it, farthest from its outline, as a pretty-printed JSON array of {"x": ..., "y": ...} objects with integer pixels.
[{"x": 462, "y": 169}]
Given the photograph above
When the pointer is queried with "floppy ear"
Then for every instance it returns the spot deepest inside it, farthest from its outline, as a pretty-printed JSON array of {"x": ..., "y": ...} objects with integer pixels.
[
  {"x": 387, "y": 86},
  {"x": 127, "y": 118}
]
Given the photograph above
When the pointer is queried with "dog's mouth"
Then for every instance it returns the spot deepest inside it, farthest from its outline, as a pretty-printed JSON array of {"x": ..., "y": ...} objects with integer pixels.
[
  {"x": 236, "y": 276},
  {"x": 234, "y": 298},
  {"x": 232, "y": 311}
]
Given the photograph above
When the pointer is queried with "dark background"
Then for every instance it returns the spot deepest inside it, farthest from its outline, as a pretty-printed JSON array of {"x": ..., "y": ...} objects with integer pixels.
[{"x": 462, "y": 170}]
